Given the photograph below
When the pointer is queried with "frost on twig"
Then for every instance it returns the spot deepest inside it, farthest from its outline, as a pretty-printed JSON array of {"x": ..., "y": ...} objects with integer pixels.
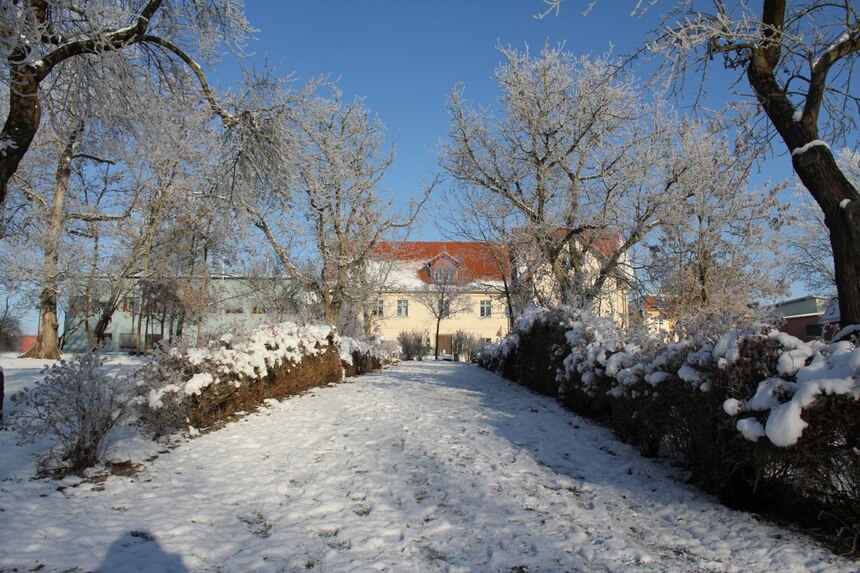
[{"x": 77, "y": 405}]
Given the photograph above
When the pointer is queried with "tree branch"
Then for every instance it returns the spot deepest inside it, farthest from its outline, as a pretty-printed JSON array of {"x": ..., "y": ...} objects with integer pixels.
[
  {"x": 113, "y": 40},
  {"x": 818, "y": 82},
  {"x": 229, "y": 120}
]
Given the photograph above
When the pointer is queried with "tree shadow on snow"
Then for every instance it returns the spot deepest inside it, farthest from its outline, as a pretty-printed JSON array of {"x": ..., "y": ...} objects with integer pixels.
[
  {"x": 139, "y": 551},
  {"x": 540, "y": 427}
]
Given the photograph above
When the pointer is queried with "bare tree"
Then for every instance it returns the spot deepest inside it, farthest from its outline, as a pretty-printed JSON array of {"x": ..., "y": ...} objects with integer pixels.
[
  {"x": 799, "y": 60},
  {"x": 445, "y": 295},
  {"x": 327, "y": 212},
  {"x": 716, "y": 251},
  {"x": 39, "y": 37},
  {"x": 809, "y": 254},
  {"x": 575, "y": 158},
  {"x": 101, "y": 175},
  {"x": 10, "y": 315},
  {"x": 475, "y": 216},
  {"x": 277, "y": 295}
]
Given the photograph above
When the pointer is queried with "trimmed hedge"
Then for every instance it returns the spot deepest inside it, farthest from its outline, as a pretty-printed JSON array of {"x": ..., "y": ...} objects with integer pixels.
[
  {"x": 203, "y": 388},
  {"x": 727, "y": 408}
]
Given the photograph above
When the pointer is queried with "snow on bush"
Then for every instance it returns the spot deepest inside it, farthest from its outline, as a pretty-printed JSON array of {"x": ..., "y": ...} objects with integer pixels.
[
  {"x": 250, "y": 356},
  {"x": 184, "y": 386},
  {"x": 77, "y": 404},
  {"x": 605, "y": 358},
  {"x": 747, "y": 410},
  {"x": 350, "y": 348},
  {"x": 804, "y": 371}
]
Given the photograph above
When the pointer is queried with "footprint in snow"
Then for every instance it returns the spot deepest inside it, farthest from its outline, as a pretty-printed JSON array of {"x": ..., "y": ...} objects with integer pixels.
[
  {"x": 362, "y": 510},
  {"x": 256, "y": 523}
]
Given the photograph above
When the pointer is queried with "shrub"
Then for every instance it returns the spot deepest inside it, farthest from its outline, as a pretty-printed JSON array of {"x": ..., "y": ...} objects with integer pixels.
[
  {"x": 162, "y": 411},
  {"x": 78, "y": 404},
  {"x": 362, "y": 356},
  {"x": 414, "y": 344},
  {"x": 186, "y": 387},
  {"x": 203, "y": 387},
  {"x": 465, "y": 345},
  {"x": 761, "y": 419}
]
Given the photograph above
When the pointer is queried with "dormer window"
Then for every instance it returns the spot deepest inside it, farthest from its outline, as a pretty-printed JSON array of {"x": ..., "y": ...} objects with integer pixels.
[{"x": 443, "y": 275}]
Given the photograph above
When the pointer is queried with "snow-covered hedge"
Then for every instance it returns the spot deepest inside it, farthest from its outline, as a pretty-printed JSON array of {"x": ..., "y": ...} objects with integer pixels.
[
  {"x": 186, "y": 387},
  {"x": 760, "y": 417}
]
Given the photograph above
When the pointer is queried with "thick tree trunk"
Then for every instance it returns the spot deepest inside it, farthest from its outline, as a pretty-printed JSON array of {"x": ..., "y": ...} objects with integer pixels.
[
  {"x": 180, "y": 322},
  {"x": 47, "y": 342},
  {"x": 815, "y": 165},
  {"x": 22, "y": 121},
  {"x": 821, "y": 175},
  {"x": 105, "y": 318},
  {"x": 332, "y": 305}
]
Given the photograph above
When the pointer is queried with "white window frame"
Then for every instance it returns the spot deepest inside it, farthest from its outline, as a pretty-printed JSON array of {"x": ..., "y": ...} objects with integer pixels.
[{"x": 403, "y": 307}]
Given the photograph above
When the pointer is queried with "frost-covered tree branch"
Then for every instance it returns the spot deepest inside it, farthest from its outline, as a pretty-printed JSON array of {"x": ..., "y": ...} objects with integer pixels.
[
  {"x": 575, "y": 159},
  {"x": 323, "y": 211},
  {"x": 38, "y": 37},
  {"x": 799, "y": 59}
]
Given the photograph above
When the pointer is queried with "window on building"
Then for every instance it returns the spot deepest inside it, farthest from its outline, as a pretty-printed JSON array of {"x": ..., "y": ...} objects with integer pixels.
[
  {"x": 128, "y": 341},
  {"x": 449, "y": 275},
  {"x": 377, "y": 308},
  {"x": 130, "y": 304},
  {"x": 486, "y": 308},
  {"x": 814, "y": 330},
  {"x": 437, "y": 275},
  {"x": 233, "y": 310},
  {"x": 402, "y": 307},
  {"x": 258, "y": 310},
  {"x": 444, "y": 308}
]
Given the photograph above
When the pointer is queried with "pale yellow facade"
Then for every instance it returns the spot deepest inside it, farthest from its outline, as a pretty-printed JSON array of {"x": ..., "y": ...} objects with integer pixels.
[
  {"x": 646, "y": 312},
  {"x": 418, "y": 317},
  {"x": 611, "y": 302},
  {"x": 421, "y": 273}
]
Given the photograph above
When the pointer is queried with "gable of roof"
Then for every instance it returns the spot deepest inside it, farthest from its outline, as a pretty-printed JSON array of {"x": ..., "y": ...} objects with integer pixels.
[{"x": 476, "y": 260}]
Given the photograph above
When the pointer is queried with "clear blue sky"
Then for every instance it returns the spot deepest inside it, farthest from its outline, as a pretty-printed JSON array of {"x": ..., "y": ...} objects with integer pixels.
[{"x": 405, "y": 56}]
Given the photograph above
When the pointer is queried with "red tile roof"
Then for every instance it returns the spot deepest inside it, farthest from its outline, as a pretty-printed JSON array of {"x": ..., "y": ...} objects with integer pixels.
[{"x": 475, "y": 260}]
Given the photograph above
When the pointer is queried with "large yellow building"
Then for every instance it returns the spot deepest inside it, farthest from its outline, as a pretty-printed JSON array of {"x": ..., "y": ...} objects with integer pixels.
[
  {"x": 461, "y": 286},
  {"x": 458, "y": 284}
]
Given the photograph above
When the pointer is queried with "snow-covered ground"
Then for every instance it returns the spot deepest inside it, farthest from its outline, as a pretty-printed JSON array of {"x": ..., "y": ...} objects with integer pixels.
[{"x": 424, "y": 467}]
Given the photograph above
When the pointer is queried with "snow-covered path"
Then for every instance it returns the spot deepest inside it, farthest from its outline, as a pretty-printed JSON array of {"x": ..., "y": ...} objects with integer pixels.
[{"x": 424, "y": 467}]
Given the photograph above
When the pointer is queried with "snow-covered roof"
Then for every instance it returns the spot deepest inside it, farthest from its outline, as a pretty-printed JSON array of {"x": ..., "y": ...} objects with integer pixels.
[{"x": 474, "y": 264}]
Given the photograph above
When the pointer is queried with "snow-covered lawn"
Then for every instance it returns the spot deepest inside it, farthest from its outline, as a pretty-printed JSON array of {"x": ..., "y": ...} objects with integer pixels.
[{"x": 424, "y": 467}]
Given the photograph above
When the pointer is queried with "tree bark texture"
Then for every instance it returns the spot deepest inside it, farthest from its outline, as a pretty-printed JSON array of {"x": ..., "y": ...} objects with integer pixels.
[
  {"x": 813, "y": 162},
  {"x": 47, "y": 341},
  {"x": 25, "y": 114}
]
